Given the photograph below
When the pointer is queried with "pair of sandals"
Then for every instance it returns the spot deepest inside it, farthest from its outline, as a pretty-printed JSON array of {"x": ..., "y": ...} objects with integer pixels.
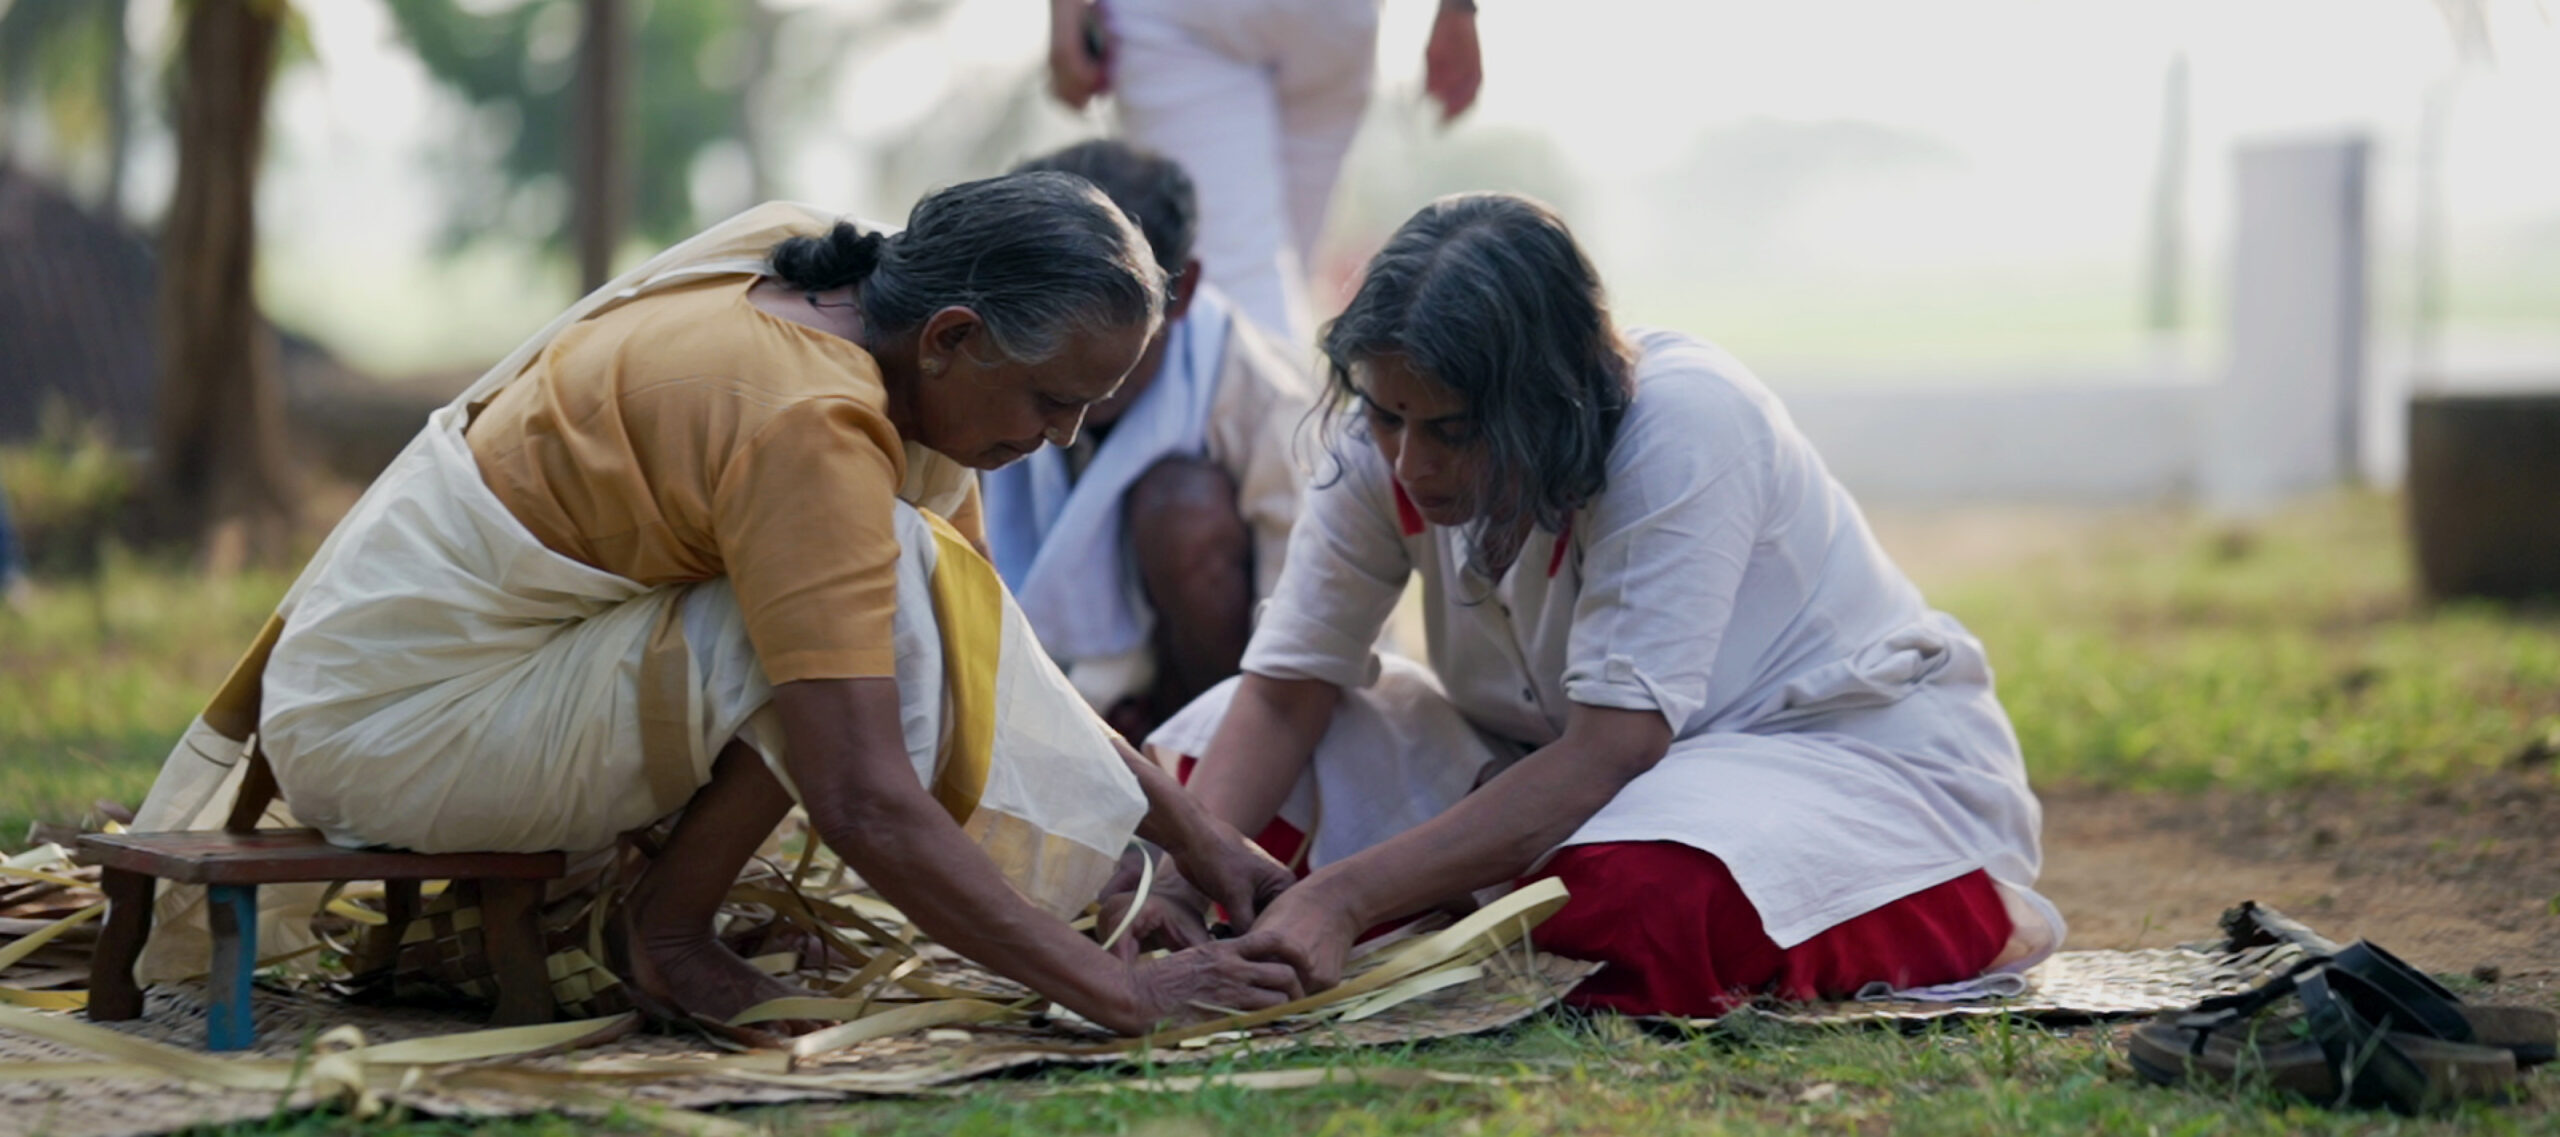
[{"x": 2365, "y": 1030}]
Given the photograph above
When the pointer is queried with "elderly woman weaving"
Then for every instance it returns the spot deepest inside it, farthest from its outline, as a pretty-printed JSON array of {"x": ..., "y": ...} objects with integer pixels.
[
  {"x": 710, "y": 542},
  {"x": 1668, "y": 662}
]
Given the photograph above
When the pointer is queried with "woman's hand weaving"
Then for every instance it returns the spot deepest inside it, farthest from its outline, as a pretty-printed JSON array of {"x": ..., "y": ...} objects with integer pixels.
[
  {"x": 1170, "y": 914},
  {"x": 1310, "y": 933},
  {"x": 1234, "y": 873},
  {"x": 1202, "y": 983}
]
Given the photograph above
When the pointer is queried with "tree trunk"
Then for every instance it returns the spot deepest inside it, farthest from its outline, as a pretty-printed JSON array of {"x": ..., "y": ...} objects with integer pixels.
[
  {"x": 602, "y": 184},
  {"x": 119, "y": 106},
  {"x": 219, "y": 465}
]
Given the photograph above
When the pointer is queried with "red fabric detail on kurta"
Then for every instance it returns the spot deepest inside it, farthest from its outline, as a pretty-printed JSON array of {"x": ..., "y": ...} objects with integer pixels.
[
  {"x": 1408, "y": 518},
  {"x": 1681, "y": 939}
]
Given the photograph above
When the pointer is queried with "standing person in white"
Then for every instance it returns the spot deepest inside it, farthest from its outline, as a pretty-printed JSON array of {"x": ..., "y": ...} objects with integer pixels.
[
  {"x": 1667, "y": 662},
  {"x": 1259, "y": 100}
]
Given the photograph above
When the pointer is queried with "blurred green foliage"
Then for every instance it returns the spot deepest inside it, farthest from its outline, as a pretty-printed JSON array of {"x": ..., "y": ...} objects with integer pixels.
[
  {"x": 59, "y": 55},
  {"x": 66, "y": 490},
  {"x": 704, "y": 76},
  {"x": 515, "y": 65}
]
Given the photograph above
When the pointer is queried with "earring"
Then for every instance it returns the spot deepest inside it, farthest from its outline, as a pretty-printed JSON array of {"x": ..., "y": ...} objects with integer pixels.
[{"x": 930, "y": 367}]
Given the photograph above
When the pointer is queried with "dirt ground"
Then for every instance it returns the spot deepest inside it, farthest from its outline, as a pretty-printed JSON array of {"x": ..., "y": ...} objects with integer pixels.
[{"x": 2458, "y": 881}]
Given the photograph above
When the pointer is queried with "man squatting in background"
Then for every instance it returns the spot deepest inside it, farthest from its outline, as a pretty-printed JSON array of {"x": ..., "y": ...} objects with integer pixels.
[{"x": 1139, "y": 551}]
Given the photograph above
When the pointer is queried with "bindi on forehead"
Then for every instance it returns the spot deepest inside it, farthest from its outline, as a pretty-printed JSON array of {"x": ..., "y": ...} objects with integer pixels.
[{"x": 1404, "y": 406}]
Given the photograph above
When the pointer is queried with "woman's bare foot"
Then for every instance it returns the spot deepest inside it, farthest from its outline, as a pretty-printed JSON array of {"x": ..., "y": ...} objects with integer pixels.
[
  {"x": 673, "y": 976},
  {"x": 661, "y": 934},
  {"x": 703, "y": 977}
]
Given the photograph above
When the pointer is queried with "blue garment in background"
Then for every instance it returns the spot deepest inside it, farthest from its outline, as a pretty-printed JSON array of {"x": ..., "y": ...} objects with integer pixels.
[
  {"x": 13, "y": 562},
  {"x": 1059, "y": 543}
]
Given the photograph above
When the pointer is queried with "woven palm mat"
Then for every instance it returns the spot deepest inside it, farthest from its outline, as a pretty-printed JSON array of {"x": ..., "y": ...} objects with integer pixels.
[
  {"x": 2076, "y": 986},
  {"x": 1513, "y": 988}
]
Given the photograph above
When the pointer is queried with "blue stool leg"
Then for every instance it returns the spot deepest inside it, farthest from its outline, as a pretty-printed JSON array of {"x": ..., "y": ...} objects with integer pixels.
[{"x": 233, "y": 909}]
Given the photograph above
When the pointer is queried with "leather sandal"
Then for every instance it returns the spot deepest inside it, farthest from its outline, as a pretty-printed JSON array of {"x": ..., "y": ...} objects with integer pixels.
[
  {"x": 2333, "y": 1051},
  {"x": 2417, "y": 1003}
]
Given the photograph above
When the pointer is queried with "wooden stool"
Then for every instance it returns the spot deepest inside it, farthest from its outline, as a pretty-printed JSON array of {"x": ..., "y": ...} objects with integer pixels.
[{"x": 231, "y": 864}]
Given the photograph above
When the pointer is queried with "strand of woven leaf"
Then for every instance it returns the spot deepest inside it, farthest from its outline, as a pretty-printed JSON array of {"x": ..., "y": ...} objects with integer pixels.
[
  {"x": 893, "y": 966},
  {"x": 364, "y": 1076}
]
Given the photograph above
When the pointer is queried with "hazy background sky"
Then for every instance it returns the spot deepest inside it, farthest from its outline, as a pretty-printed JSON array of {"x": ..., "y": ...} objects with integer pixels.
[{"x": 1840, "y": 190}]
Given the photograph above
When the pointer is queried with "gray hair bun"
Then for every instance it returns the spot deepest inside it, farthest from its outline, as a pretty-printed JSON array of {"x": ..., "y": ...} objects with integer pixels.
[
  {"x": 846, "y": 255},
  {"x": 1040, "y": 257}
]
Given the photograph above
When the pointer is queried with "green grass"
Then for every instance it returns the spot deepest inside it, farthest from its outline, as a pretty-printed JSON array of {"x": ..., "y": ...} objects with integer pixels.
[
  {"x": 2170, "y": 652},
  {"x": 100, "y": 675},
  {"x": 2153, "y": 650},
  {"x": 1606, "y": 1076}
]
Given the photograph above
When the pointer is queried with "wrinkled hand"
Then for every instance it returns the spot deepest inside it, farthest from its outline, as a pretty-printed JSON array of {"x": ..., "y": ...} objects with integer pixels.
[
  {"x": 1452, "y": 63},
  {"x": 1162, "y": 922},
  {"x": 1173, "y": 915},
  {"x": 1203, "y": 983},
  {"x": 1307, "y": 931},
  {"x": 1234, "y": 873},
  {"x": 1075, "y": 75}
]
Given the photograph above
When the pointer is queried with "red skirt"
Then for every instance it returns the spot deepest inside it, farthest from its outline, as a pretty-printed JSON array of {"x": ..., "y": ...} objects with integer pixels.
[{"x": 1680, "y": 938}]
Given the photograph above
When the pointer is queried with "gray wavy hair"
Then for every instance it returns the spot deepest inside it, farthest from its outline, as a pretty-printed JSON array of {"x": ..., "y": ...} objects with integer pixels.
[
  {"x": 1040, "y": 257},
  {"x": 1489, "y": 294}
]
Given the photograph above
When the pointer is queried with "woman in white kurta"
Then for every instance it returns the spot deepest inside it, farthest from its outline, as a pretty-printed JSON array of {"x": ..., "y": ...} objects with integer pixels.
[{"x": 1667, "y": 661}]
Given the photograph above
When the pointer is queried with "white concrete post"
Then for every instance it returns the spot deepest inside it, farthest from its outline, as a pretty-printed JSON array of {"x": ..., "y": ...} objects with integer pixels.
[{"x": 2287, "y": 418}]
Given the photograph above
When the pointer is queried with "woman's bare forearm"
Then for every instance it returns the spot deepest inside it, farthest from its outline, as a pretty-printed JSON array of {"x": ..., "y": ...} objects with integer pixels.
[
  {"x": 1262, "y": 748},
  {"x": 922, "y": 863},
  {"x": 1175, "y": 820},
  {"x": 1494, "y": 834},
  {"x": 866, "y": 804}
]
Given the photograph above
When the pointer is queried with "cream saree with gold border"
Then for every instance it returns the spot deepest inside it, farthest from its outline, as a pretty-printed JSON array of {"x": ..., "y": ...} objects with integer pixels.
[{"x": 436, "y": 679}]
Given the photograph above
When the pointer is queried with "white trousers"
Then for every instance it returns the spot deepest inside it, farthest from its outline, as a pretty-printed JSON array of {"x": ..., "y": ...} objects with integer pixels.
[{"x": 1258, "y": 100}]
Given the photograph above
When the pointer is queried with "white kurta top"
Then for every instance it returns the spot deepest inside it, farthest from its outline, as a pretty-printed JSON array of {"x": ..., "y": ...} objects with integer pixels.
[{"x": 1837, "y": 742}]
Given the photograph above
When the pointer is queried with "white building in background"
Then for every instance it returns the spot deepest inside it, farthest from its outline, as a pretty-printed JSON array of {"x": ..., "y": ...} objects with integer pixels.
[{"x": 2297, "y": 406}]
